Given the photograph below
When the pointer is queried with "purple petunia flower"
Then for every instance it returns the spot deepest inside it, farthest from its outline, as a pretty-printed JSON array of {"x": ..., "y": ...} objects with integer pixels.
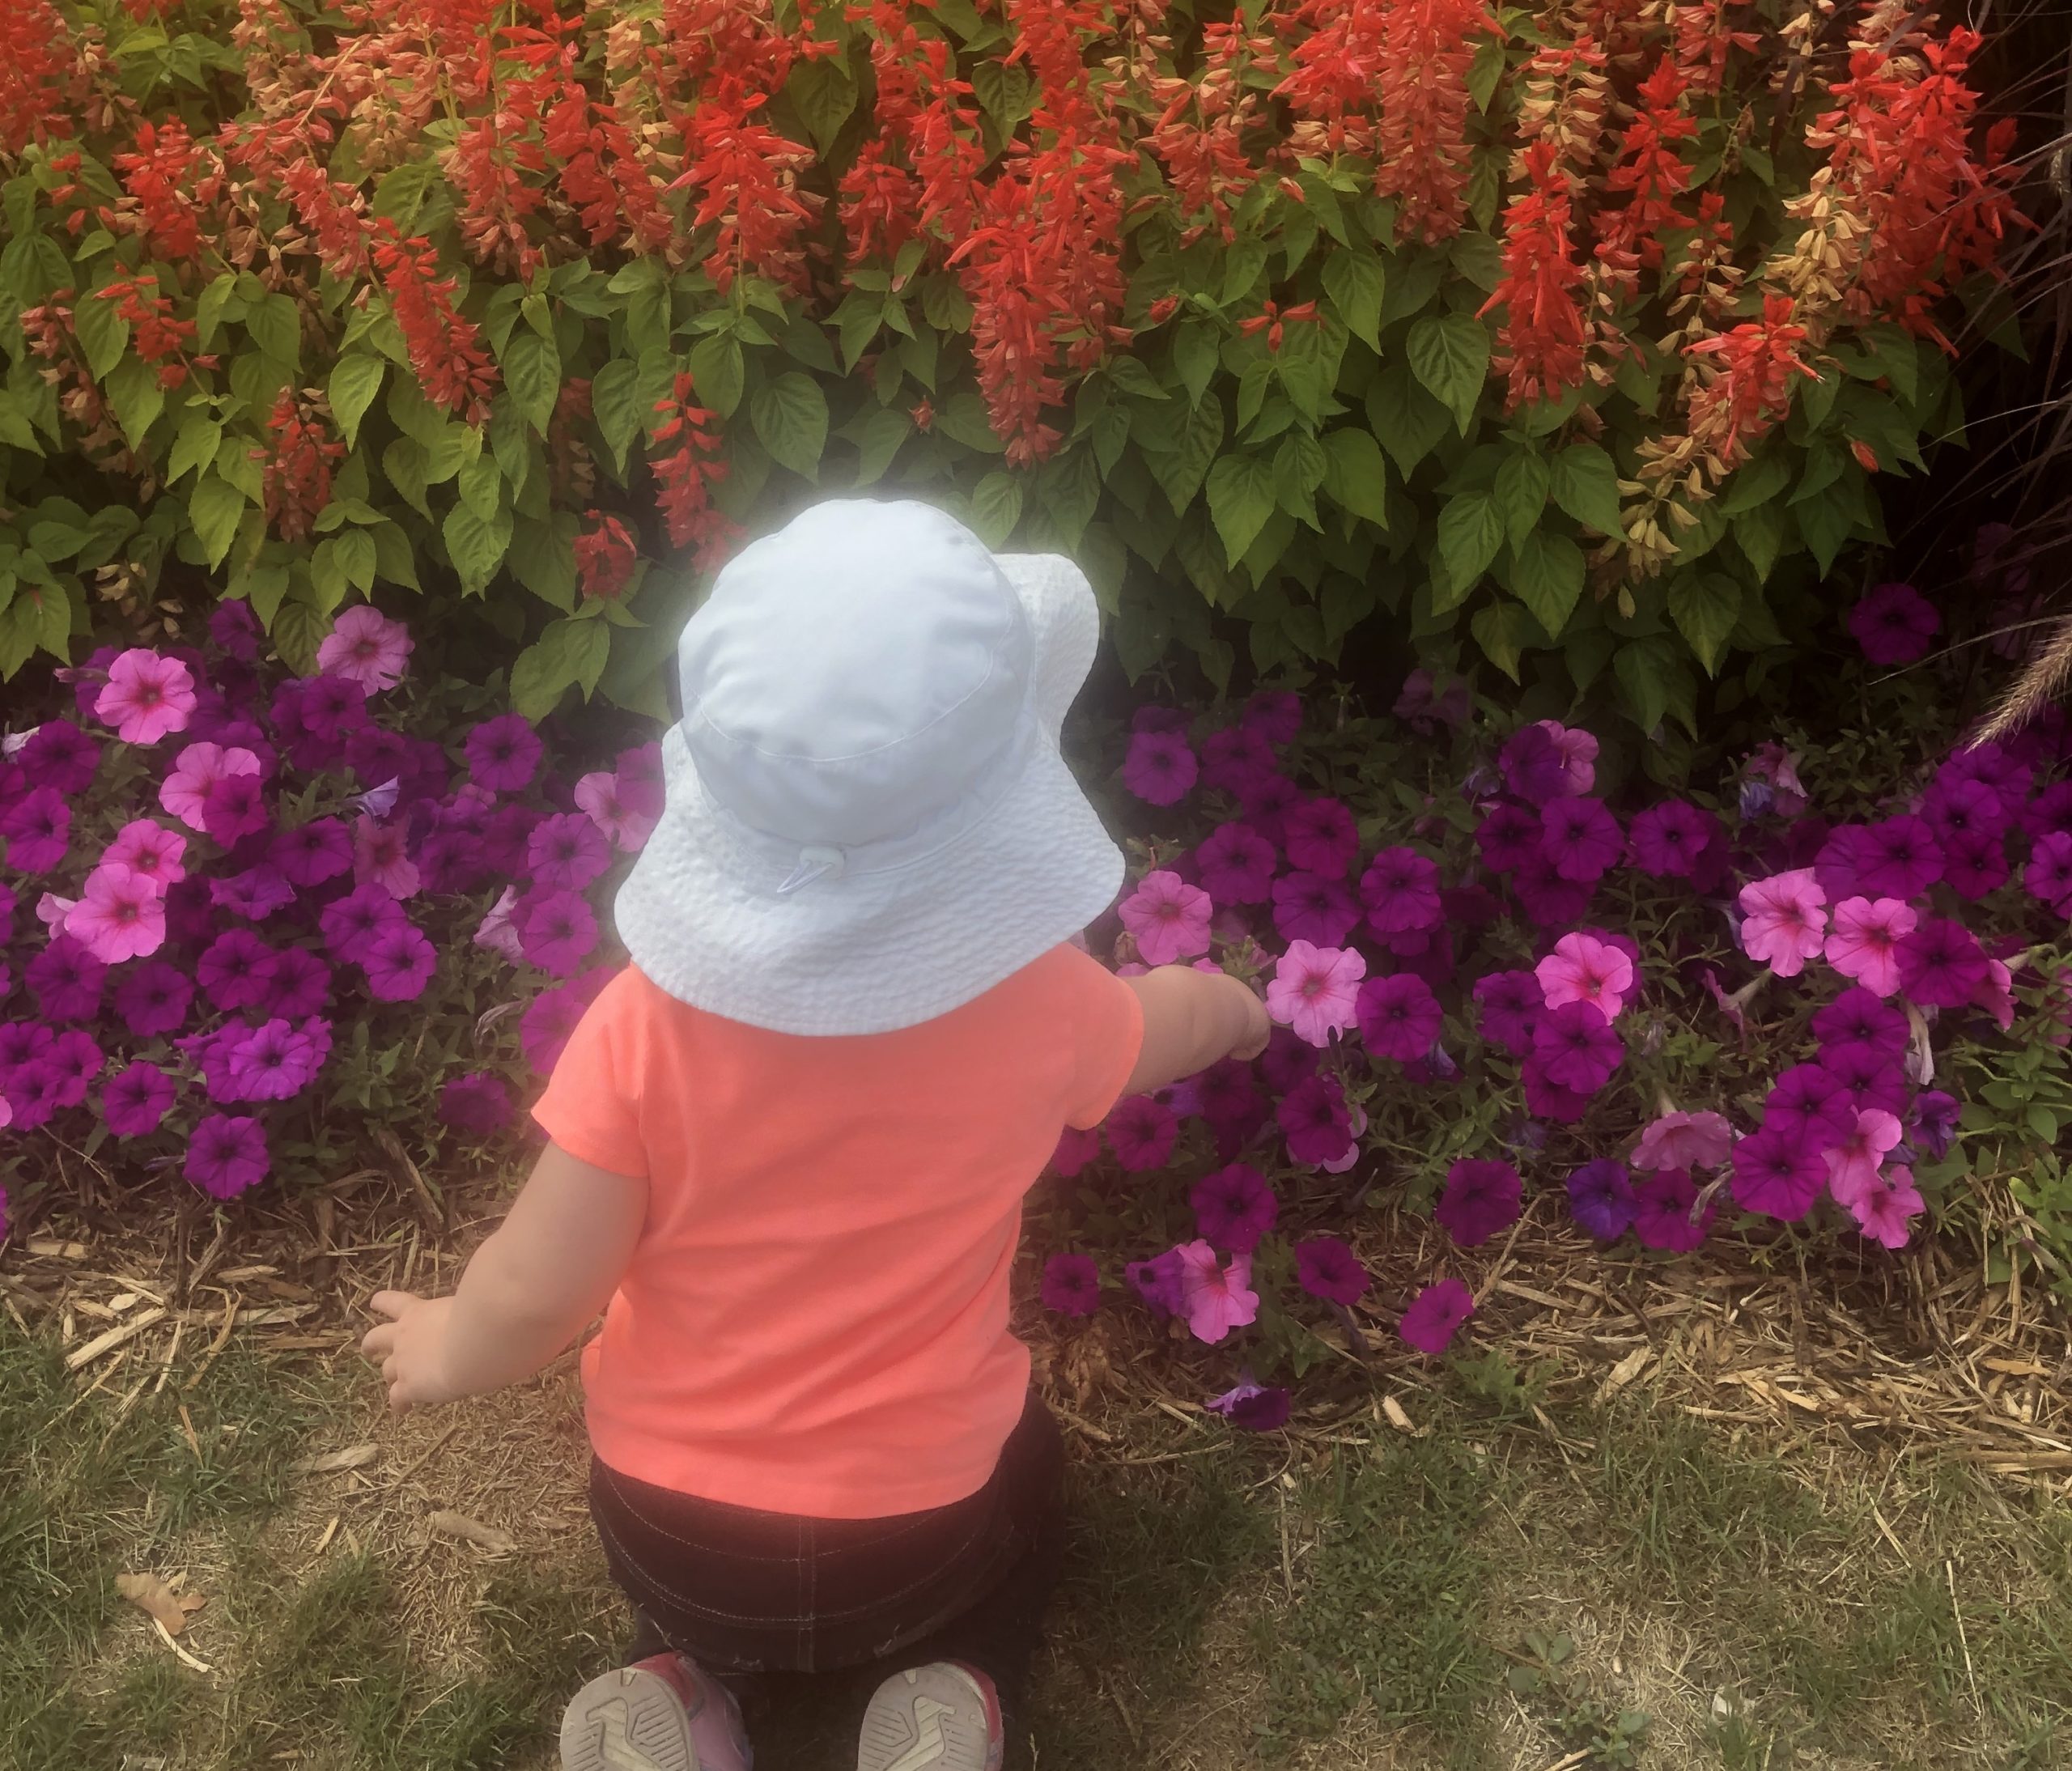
[
  {"x": 312, "y": 853},
  {"x": 1512, "y": 1003},
  {"x": 1237, "y": 864},
  {"x": 1266, "y": 799},
  {"x": 300, "y": 986},
  {"x": 1325, "y": 1267},
  {"x": 543, "y": 1028},
  {"x": 1868, "y": 1076},
  {"x": 1899, "y": 858},
  {"x": 1959, "y": 806},
  {"x": 566, "y": 852},
  {"x": 236, "y": 971},
  {"x": 1274, "y": 714},
  {"x": 478, "y": 1104},
  {"x": 453, "y": 862},
  {"x": 1670, "y": 841},
  {"x": 1233, "y": 1208},
  {"x": 153, "y": 999},
  {"x": 233, "y": 807},
  {"x": 1664, "y": 1203},
  {"x": 32, "y": 1092},
  {"x": 227, "y": 1156},
  {"x": 1234, "y": 757},
  {"x": 504, "y": 754},
  {"x": 556, "y": 930},
  {"x": 255, "y": 894},
  {"x": 1509, "y": 837},
  {"x": 1072, "y": 1284},
  {"x": 1808, "y": 1106},
  {"x": 1255, "y": 1408},
  {"x": 1287, "y": 1059},
  {"x": 399, "y": 962},
  {"x": 136, "y": 1099},
  {"x": 273, "y": 1063},
  {"x": 2048, "y": 877},
  {"x": 1601, "y": 1198},
  {"x": 235, "y": 629},
  {"x": 1158, "y": 1282},
  {"x": 1400, "y": 1017},
  {"x": 1941, "y": 964},
  {"x": 77, "y": 1061},
  {"x": 65, "y": 980},
  {"x": 1400, "y": 890},
  {"x": 1777, "y": 1174},
  {"x": 354, "y": 921},
  {"x": 38, "y": 828},
  {"x": 1435, "y": 1316},
  {"x": 1895, "y": 624},
  {"x": 22, "y": 1041},
  {"x": 1140, "y": 1131},
  {"x": 1307, "y": 907},
  {"x": 1321, "y": 838},
  {"x": 1550, "y": 1100},
  {"x": 1991, "y": 764},
  {"x": 1576, "y": 1048},
  {"x": 2049, "y": 813},
  {"x": 60, "y": 756},
  {"x": 1313, "y": 1115},
  {"x": 1479, "y": 1198},
  {"x": 1076, "y": 1150},
  {"x": 1839, "y": 863},
  {"x": 1933, "y": 1125},
  {"x": 1535, "y": 766},
  {"x": 1860, "y": 1016},
  {"x": 507, "y": 840},
  {"x": 1975, "y": 863},
  {"x": 1581, "y": 838},
  {"x": 1547, "y": 898},
  {"x": 1160, "y": 768}
]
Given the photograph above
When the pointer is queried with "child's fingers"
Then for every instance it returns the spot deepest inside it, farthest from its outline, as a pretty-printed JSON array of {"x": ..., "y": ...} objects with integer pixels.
[
  {"x": 377, "y": 1342},
  {"x": 394, "y": 1304}
]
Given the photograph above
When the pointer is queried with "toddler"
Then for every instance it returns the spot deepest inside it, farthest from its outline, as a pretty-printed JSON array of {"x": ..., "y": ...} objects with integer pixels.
[{"x": 788, "y": 1146}]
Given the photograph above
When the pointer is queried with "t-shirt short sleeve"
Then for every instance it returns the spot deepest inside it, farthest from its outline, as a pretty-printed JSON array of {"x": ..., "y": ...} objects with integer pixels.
[
  {"x": 591, "y": 1106},
  {"x": 1108, "y": 1021}
]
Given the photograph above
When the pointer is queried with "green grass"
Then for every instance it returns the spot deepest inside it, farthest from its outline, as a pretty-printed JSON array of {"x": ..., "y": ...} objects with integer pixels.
[{"x": 1650, "y": 1592}]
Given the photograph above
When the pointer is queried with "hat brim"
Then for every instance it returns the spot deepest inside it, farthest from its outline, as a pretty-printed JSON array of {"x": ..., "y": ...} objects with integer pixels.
[{"x": 873, "y": 952}]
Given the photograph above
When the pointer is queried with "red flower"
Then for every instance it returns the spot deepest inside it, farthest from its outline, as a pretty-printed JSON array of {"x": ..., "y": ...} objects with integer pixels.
[
  {"x": 446, "y": 350},
  {"x": 1541, "y": 344},
  {"x": 606, "y": 556},
  {"x": 299, "y": 463},
  {"x": 687, "y": 474}
]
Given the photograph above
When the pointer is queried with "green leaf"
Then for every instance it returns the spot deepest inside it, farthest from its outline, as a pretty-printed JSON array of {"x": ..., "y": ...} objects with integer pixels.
[
  {"x": 543, "y": 558},
  {"x": 1299, "y": 466},
  {"x": 394, "y": 561},
  {"x": 1547, "y": 572},
  {"x": 615, "y": 404},
  {"x": 824, "y": 94},
  {"x": 1826, "y": 522},
  {"x": 717, "y": 373},
  {"x": 102, "y": 335},
  {"x": 1406, "y": 421},
  {"x": 1450, "y": 354},
  {"x": 195, "y": 446},
  {"x": 572, "y": 653},
  {"x": 884, "y": 433},
  {"x": 1654, "y": 682},
  {"x": 1196, "y": 356},
  {"x": 275, "y": 324},
  {"x": 1504, "y": 631},
  {"x": 1522, "y": 493},
  {"x": 1356, "y": 475},
  {"x": 1759, "y": 533},
  {"x": 299, "y": 629},
  {"x": 1357, "y": 283},
  {"x": 263, "y": 587},
  {"x": 215, "y": 508},
  {"x": 1483, "y": 72},
  {"x": 403, "y": 463},
  {"x": 1181, "y": 472},
  {"x": 328, "y": 582},
  {"x": 400, "y": 193},
  {"x": 963, "y": 419},
  {"x": 476, "y": 544},
  {"x": 357, "y": 558},
  {"x": 1584, "y": 483},
  {"x": 531, "y": 370},
  {"x": 137, "y": 399},
  {"x": 995, "y": 509},
  {"x": 481, "y": 487},
  {"x": 1471, "y": 534},
  {"x": 355, "y": 380},
  {"x": 1757, "y": 482},
  {"x": 1241, "y": 499},
  {"x": 1706, "y": 606},
  {"x": 790, "y": 417}
]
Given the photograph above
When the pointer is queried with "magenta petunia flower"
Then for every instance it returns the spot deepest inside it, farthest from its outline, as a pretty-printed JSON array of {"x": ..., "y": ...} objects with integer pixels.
[
  {"x": 1237, "y": 864},
  {"x": 1887, "y": 1207},
  {"x": 120, "y": 915},
  {"x": 1898, "y": 858},
  {"x": 1400, "y": 890},
  {"x": 310, "y": 854},
  {"x": 1975, "y": 864},
  {"x": 504, "y": 754},
  {"x": 38, "y": 827},
  {"x": 477, "y": 1105},
  {"x": 566, "y": 852},
  {"x": 1509, "y": 837},
  {"x": 149, "y": 849},
  {"x": 1160, "y": 768},
  {"x": 1512, "y": 1003},
  {"x": 1400, "y": 1017},
  {"x": 1326, "y": 1267},
  {"x": 556, "y": 930},
  {"x": 1777, "y": 1174},
  {"x": 1669, "y": 840},
  {"x": 196, "y": 770},
  {"x": 1321, "y": 838},
  {"x": 1274, "y": 714},
  {"x": 1214, "y": 1297},
  {"x": 1266, "y": 799},
  {"x": 1427, "y": 702},
  {"x": 1576, "y": 1048},
  {"x": 1852, "y": 1164},
  {"x": 1072, "y": 1284},
  {"x": 1167, "y": 918},
  {"x": 399, "y": 962},
  {"x": 602, "y": 797},
  {"x": 254, "y": 893},
  {"x": 1479, "y": 1198},
  {"x": 1076, "y": 1148},
  {"x": 353, "y": 921},
  {"x": 58, "y": 754},
  {"x": 1941, "y": 964},
  {"x": 1315, "y": 991},
  {"x": 1313, "y": 1115},
  {"x": 146, "y": 696},
  {"x": 1601, "y": 1198},
  {"x": 1678, "y": 1140},
  {"x": 2048, "y": 877},
  {"x": 381, "y": 856},
  {"x": 1958, "y": 806},
  {"x": 1582, "y": 968},
  {"x": 76, "y": 1060},
  {"x": 236, "y": 971},
  {"x": 1932, "y": 1127},
  {"x": 543, "y": 1028},
  {"x": 234, "y": 808},
  {"x": 1233, "y": 757},
  {"x": 1895, "y": 624},
  {"x": 1546, "y": 897},
  {"x": 1783, "y": 918},
  {"x": 1808, "y": 1106},
  {"x": 1867, "y": 1076},
  {"x": 135, "y": 1099},
  {"x": 1546, "y": 1100},
  {"x": 1254, "y": 1407},
  {"x": 1234, "y": 1207},
  {"x": 153, "y": 999},
  {"x": 2049, "y": 813},
  {"x": 67, "y": 980},
  {"x": 1581, "y": 838},
  {"x": 1534, "y": 767},
  {"x": 1435, "y": 1316},
  {"x": 1857, "y": 1015},
  {"x": 1578, "y": 751},
  {"x": 1662, "y": 1217},
  {"x": 365, "y": 647},
  {"x": 274, "y": 1062},
  {"x": 1140, "y": 1131},
  {"x": 227, "y": 1156},
  {"x": 497, "y": 931},
  {"x": 1863, "y": 944},
  {"x": 236, "y": 630},
  {"x": 1307, "y": 907},
  {"x": 300, "y": 986},
  {"x": 32, "y": 1093}
]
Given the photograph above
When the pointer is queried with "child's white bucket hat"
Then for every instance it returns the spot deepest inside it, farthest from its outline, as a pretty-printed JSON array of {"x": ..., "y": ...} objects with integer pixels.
[{"x": 867, "y": 821}]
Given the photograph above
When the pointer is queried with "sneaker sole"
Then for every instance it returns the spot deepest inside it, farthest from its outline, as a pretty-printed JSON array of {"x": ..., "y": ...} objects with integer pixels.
[
  {"x": 932, "y": 1718},
  {"x": 627, "y": 1720}
]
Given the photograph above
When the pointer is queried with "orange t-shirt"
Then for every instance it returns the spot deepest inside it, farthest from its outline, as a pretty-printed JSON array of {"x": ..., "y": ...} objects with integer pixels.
[{"x": 815, "y": 1318}]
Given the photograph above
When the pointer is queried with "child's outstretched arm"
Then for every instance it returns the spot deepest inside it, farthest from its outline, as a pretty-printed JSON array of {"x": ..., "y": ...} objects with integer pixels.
[
  {"x": 549, "y": 1268},
  {"x": 1193, "y": 1019}
]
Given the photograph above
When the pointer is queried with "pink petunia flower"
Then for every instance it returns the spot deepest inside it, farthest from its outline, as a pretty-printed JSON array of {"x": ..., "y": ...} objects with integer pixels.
[
  {"x": 1215, "y": 1297},
  {"x": 146, "y": 696},
  {"x": 151, "y": 849},
  {"x": 1886, "y": 1208},
  {"x": 1583, "y": 969},
  {"x": 1862, "y": 944},
  {"x": 1684, "y": 1140},
  {"x": 497, "y": 931},
  {"x": 185, "y": 792},
  {"x": 381, "y": 853},
  {"x": 121, "y": 915},
  {"x": 625, "y": 823},
  {"x": 1854, "y": 1163},
  {"x": 365, "y": 647},
  {"x": 1315, "y": 989},
  {"x": 1168, "y": 918},
  {"x": 1783, "y": 918}
]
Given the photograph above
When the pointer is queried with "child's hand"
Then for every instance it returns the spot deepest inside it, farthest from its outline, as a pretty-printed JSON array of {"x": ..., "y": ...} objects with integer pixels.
[
  {"x": 410, "y": 1347},
  {"x": 1258, "y": 1026}
]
